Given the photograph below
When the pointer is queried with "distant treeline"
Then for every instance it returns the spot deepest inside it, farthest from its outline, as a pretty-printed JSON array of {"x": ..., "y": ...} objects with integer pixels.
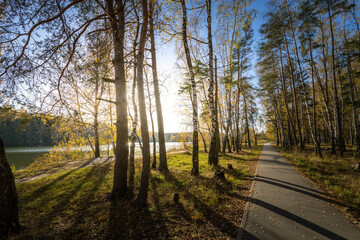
[
  {"x": 175, "y": 137},
  {"x": 19, "y": 129}
]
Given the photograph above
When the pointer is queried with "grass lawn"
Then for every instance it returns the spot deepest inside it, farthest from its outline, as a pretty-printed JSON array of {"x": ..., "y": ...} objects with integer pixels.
[
  {"x": 333, "y": 174},
  {"x": 73, "y": 204}
]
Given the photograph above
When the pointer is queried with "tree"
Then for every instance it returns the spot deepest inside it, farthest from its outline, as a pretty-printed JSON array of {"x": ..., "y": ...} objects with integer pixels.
[
  {"x": 142, "y": 196},
  {"x": 8, "y": 199},
  {"x": 214, "y": 150},
  {"x": 195, "y": 153},
  {"x": 319, "y": 67},
  {"x": 23, "y": 24},
  {"x": 162, "y": 148},
  {"x": 117, "y": 21}
]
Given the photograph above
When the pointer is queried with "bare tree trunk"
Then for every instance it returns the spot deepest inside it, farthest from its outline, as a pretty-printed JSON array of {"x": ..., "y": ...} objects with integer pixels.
[
  {"x": 352, "y": 96},
  {"x": 246, "y": 119},
  {"x": 237, "y": 119},
  {"x": 96, "y": 112},
  {"x": 280, "y": 122},
  {"x": 204, "y": 141},
  {"x": 141, "y": 199},
  {"x": 228, "y": 122},
  {"x": 162, "y": 148},
  {"x": 195, "y": 153},
  {"x": 121, "y": 150},
  {"x": 9, "y": 218},
  {"x": 284, "y": 94},
  {"x": 213, "y": 153},
  {"x": 294, "y": 92},
  {"x": 153, "y": 165},
  {"x": 324, "y": 92},
  {"x": 313, "y": 133},
  {"x": 217, "y": 132},
  {"x": 314, "y": 103},
  {"x": 134, "y": 136},
  {"x": 96, "y": 133},
  {"x": 340, "y": 136}
]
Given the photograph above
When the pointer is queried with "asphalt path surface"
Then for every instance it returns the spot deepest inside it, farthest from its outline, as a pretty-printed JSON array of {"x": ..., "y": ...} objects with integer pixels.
[{"x": 284, "y": 205}]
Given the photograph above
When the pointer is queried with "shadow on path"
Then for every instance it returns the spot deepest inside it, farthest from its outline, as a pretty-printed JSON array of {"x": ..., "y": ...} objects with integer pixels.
[
  {"x": 323, "y": 231},
  {"x": 292, "y": 184}
]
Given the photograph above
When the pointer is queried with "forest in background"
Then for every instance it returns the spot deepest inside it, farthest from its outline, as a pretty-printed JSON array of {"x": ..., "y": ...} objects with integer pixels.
[
  {"x": 21, "y": 129},
  {"x": 309, "y": 68}
]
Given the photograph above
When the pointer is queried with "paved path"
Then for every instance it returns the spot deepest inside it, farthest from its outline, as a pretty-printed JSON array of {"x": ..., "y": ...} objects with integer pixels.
[{"x": 284, "y": 205}]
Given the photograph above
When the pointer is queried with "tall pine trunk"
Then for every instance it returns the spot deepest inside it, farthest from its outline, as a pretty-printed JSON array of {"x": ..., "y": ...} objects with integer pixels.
[
  {"x": 292, "y": 78},
  {"x": 246, "y": 119},
  {"x": 339, "y": 129},
  {"x": 153, "y": 165},
  {"x": 162, "y": 147},
  {"x": 291, "y": 130},
  {"x": 121, "y": 150},
  {"x": 352, "y": 95},
  {"x": 307, "y": 106},
  {"x": 133, "y": 136},
  {"x": 195, "y": 153},
  {"x": 141, "y": 199}
]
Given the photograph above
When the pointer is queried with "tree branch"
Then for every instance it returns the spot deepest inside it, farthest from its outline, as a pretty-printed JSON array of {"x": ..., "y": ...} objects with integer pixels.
[
  {"x": 108, "y": 80},
  {"x": 105, "y": 100},
  {"x": 31, "y": 31}
]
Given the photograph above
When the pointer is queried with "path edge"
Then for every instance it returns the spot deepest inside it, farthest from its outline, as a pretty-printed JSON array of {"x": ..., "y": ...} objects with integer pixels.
[{"x": 247, "y": 207}]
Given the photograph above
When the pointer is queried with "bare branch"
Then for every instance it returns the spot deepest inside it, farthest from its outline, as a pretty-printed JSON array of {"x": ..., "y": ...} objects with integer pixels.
[
  {"x": 31, "y": 31},
  {"x": 105, "y": 100},
  {"x": 108, "y": 80}
]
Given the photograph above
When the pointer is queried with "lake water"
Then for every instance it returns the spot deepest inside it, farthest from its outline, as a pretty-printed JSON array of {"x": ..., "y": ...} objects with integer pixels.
[{"x": 22, "y": 157}]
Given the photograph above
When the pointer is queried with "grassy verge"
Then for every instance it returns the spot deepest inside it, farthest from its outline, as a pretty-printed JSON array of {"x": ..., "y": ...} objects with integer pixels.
[
  {"x": 72, "y": 204},
  {"x": 331, "y": 173}
]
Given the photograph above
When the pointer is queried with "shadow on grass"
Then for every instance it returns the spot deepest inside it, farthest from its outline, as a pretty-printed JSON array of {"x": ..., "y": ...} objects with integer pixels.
[
  {"x": 65, "y": 215},
  {"x": 129, "y": 222},
  {"x": 39, "y": 192},
  {"x": 216, "y": 219}
]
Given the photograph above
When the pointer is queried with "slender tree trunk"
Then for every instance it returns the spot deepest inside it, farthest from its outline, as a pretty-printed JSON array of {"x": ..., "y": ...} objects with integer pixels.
[
  {"x": 213, "y": 153},
  {"x": 96, "y": 133},
  {"x": 162, "y": 147},
  {"x": 280, "y": 121},
  {"x": 352, "y": 96},
  {"x": 96, "y": 118},
  {"x": 314, "y": 99},
  {"x": 121, "y": 150},
  {"x": 277, "y": 134},
  {"x": 141, "y": 199},
  {"x": 246, "y": 120},
  {"x": 237, "y": 118},
  {"x": 312, "y": 132},
  {"x": 204, "y": 141},
  {"x": 195, "y": 153},
  {"x": 340, "y": 137},
  {"x": 292, "y": 78},
  {"x": 153, "y": 165},
  {"x": 217, "y": 132},
  {"x": 324, "y": 92},
  {"x": 255, "y": 139},
  {"x": 285, "y": 97},
  {"x": 134, "y": 136}
]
